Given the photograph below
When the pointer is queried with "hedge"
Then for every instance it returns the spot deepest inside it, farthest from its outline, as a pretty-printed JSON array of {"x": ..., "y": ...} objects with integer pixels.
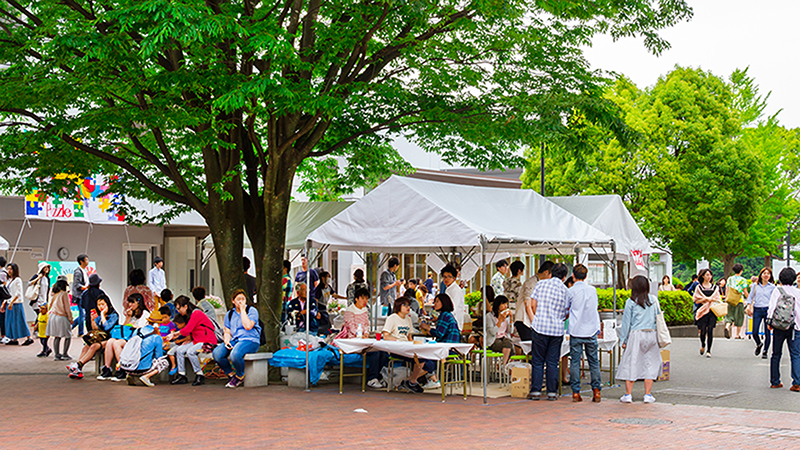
[{"x": 677, "y": 305}]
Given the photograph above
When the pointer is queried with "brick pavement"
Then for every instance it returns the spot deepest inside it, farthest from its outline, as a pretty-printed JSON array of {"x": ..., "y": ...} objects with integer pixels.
[{"x": 44, "y": 409}]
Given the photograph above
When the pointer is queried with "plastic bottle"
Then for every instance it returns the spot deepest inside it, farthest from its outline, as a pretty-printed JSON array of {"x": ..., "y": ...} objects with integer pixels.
[{"x": 360, "y": 332}]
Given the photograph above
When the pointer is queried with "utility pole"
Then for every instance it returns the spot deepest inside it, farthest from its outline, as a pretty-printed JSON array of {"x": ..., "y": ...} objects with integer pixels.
[{"x": 788, "y": 244}]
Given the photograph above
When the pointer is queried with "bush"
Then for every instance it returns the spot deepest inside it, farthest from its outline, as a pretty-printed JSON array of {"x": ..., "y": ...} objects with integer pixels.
[
  {"x": 677, "y": 305},
  {"x": 473, "y": 298}
]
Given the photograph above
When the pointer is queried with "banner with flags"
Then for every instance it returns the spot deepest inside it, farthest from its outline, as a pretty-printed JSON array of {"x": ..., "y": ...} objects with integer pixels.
[{"x": 90, "y": 203}]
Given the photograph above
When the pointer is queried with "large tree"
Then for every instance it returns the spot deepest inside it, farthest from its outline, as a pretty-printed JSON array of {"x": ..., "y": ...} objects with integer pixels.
[
  {"x": 703, "y": 171},
  {"x": 215, "y": 105}
]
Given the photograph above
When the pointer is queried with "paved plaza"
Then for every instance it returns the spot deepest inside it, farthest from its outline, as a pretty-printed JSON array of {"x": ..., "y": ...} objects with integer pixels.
[{"x": 44, "y": 409}]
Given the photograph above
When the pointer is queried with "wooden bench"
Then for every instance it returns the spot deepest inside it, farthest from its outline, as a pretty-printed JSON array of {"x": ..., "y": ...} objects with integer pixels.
[{"x": 256, "y": 369}]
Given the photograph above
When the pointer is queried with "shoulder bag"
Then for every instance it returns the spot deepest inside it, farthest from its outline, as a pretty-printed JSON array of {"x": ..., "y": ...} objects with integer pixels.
[
  {"x": 662, "y": 332},
  {"x": 720, "y": 309},
  {"x": 734, "y": 296}
]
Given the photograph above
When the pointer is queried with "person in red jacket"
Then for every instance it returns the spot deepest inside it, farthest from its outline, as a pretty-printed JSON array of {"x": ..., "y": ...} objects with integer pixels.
[{"x": 200, "y": 328}]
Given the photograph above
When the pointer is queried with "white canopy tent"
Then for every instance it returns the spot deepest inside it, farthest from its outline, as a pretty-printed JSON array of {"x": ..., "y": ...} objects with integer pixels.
[
  {"x": 411, "y": 215},
  {"x": 3, "y": 244}
]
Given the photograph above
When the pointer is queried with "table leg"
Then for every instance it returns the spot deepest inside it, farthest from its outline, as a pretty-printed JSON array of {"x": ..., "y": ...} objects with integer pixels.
[
  {"x": 465, "y": 377},
  {"x": 444, "y": 377},
  {"x": 341, "y": 370},
  {"x": 363, "y": 371}
]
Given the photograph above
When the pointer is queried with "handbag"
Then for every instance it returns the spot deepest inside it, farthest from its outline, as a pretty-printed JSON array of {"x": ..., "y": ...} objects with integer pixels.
[
  {"x": 95, "y": 337},
  {"x": 720, "y": 309},
  {"x": 662, "y": 332},
  {"x": 32, "y": 293},
  {"x": 734, "y": 297},
  {"x": 4, "y": 294}
]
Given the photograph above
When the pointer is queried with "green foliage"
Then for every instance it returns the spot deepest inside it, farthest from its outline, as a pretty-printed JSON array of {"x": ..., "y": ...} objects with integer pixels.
[
  {"x": 677, "y": 307},
  {"x": 605, "y": 298},
  {"x": 695, "y": 180},
  {"x": 473, "y": 298}
]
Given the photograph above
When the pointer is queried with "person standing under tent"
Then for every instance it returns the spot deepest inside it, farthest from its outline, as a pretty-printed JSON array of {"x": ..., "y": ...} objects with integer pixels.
[
  {"x": 358, "y": 283},
  {"x": 549, "y": 306},
  {"x": 737, "y": 292},
  {"x": 249, "y": 280},
  {"x": 499, "y": 277},
  {"x": 453, "y": 290},
  {"x": 286, "y": 287},
  {"x": 80, "y": 283},
  {"x": 389, "y": 283},
  {"x": 512, "y": 286},
  {"x": 158, "y": 279},
  {"x": 309, "y": 277},
  {"x": 429, "y": 283},
  {"x": 324, "y": 294},
  {"x": 524, "y": 313},
  {"x": 760, "y": 293},
  {"x": 584, "y": 325}
]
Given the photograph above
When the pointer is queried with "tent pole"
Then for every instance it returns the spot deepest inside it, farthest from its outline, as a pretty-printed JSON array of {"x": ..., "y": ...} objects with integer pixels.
[
  {"x": 308, "y": 309},
  {"x": 19, "y": 236},
  {"x": 483, "y": 295}
]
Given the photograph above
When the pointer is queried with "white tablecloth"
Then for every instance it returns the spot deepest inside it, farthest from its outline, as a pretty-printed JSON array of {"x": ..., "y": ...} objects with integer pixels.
[{"x": 434, "y": 351}]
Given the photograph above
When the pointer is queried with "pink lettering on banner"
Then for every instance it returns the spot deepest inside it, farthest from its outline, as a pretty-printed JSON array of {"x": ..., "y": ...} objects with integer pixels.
[
  {"x": 638, "y": 259},
  {"x": 57, "y": 211}
]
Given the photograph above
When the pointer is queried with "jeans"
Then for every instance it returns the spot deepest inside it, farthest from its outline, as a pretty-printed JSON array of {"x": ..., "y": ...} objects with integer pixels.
[
  {"x": 792, "y": 338},
  {"x": 188, "y": 350},
  {"x": 236, "y": 354},
  {"x": 759, "y": 317},
  {"x": 589, "y": 346},
  {"x": 546, "y": 351},
  {"x": 79, "y": 321},
  {"x": 375, "y": 362}
]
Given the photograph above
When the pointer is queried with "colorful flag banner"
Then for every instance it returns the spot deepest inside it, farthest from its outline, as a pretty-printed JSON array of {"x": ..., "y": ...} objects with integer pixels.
[{"x": 90, "y": 204}]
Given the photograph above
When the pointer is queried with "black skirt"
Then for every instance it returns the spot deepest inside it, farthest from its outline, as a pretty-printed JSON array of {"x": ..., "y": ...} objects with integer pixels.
[{"x": 707, "y": 321}]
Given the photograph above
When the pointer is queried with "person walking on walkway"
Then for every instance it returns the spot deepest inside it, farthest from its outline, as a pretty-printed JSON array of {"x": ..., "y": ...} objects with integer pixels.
[
  {"x": 59, "y": 326},
  {"x": 737, "y": 291},
  {"x": 3, "y": 279},
  {"x": 16, "y": 327},
  {"x": 760, "y": 293},
  {"x": 705, "y": 294},
  {"x": 787, "y": 278},
  {"x": 584, "y": 324},
  {"x": 549, "y": 305},
  {"x": 641, "y": 356}
]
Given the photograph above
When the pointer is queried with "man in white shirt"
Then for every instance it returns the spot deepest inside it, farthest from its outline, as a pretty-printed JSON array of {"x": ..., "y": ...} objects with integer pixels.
[
  {"x": 791, "y": 336},
  {"x": 584, "y": 324},
  {"x": 456, "y": 294},
  {"x": 158, "y": 279}
]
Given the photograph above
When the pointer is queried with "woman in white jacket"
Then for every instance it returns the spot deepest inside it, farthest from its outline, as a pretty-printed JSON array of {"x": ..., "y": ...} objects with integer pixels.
[{"x": 16, "y": 327}]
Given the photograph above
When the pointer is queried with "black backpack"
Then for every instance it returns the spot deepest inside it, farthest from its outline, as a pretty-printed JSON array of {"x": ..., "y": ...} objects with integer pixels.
[{"x": 262, "y": 338}]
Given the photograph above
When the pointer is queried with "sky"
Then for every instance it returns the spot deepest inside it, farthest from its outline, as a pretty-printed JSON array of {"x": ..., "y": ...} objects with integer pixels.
[{"x": 722, "y": 36}]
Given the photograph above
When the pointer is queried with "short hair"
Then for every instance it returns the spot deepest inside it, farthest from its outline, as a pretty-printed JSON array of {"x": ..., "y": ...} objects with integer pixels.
[
  {"x": 358, "y": 275},
  {"x": 136, "y": 277},
  {"x": 569, "y": 281},
  {"x": 393, "y": 261},
  {"x": 517, "y": 267},
  {"x": 199, "y": 293},
  {"x": 165, "y": 311},
  {"x": 246, "y": 263},
  {"x": 237, "y": 293},
  {"x": 180, "y": 318},
  {"x": 361, "y": 292},
  {"x": 579, "y": 272},
  {"x": 399, "y": 304},
  {"x": 447, "y": 302},
  {"x": 501, "y": 263},
  {"x": 2, "y": 261},
  {"x": 324, "y": 274},
  {"x": 499, "y": 300},
  {"x": 287, "y": 265},
  {"x": 410, "y": 293},
  {"x": 694, "y": 277},
  {"x": 738, "y": 268},
  {"x": 166, "y": 295},
  {"x": 771, "y": 279},
  {"x": 559, "y": 271},
  {"x": 449, "y": 268},
  {"x": 787, "y": 276},
  {"x": 546, "y": 266},
  {"x": 81, "y": 257}
]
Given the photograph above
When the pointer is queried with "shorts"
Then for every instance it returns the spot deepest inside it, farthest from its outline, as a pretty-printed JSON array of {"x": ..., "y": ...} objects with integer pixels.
[
  {"x": 735, "y": 314},
  {"x": 500, "y": 344}
]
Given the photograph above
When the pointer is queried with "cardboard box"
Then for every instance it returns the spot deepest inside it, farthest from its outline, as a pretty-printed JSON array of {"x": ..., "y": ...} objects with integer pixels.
[
  {"x": 664, "y": 366},
  {"x": 520, "y": 382}
]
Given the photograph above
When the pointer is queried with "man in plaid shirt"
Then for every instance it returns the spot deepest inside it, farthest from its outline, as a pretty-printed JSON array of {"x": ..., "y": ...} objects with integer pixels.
[{"x": 549, "y": 305}]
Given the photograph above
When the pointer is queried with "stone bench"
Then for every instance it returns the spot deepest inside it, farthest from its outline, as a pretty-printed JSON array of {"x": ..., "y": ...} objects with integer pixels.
[{"x": 256, "y": 369}]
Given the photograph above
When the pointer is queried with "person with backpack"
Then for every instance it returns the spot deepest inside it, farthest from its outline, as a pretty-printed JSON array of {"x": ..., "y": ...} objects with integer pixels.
[
  {"x": 242, "y": 335},
  {"x": 200, "y": 328},
  {"x": 782, "y": 314},
  {"x": 143, "y": 355}
]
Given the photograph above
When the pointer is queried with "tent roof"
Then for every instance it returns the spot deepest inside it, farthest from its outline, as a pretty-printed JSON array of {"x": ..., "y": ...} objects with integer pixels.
[
  {"x": 305, "y": 217},
  {"x": 411, "y": 215},
  {"x": 608, "y": 214},
  {"x": 3, "y": 243}
]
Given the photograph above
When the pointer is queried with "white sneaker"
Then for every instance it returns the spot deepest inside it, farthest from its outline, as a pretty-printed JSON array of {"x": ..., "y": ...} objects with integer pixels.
[
  {"x": 627, "y": 398},
  {"x": 376, "y": 384},
  {"x": 432, "y": 385},
  {"x": 649, "y": 398},
  {"x": 5, "y": 340}
]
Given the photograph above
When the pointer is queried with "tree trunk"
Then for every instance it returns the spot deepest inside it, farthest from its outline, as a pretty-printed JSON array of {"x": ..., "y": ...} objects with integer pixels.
[
  {"x": 225, "y": 220},
  {"x": 277, "y": 194},
  {"x": 728, "y": 261},
  {"x": 768, "y": 262}
]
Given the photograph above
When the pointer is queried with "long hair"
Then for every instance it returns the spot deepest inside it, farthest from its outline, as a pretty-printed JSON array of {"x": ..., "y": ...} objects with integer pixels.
[
  {"x": 771, "y": 279},
  {"x": 107, "y": 301},
  {"x": 139, "y": 308},
  {"x": 183, "y": 300},
  {"x": 498, "y": 301},
  {"x": 358, "y": 275},
  {"x": 702, "y": 274},
  {"x": 640, "y": 291}
]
